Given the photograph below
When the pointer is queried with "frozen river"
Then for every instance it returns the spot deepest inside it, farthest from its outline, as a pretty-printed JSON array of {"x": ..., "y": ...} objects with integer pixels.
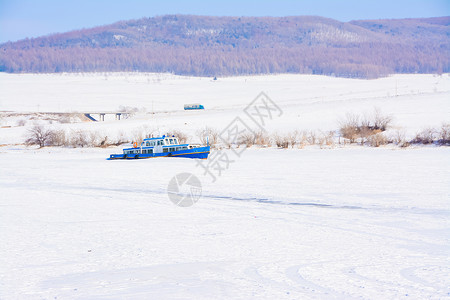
[{"x": 352, "y": 223}]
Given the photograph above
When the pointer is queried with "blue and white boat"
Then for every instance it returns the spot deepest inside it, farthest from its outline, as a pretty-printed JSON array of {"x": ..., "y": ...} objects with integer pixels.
[{"x": 164, "y": 146}]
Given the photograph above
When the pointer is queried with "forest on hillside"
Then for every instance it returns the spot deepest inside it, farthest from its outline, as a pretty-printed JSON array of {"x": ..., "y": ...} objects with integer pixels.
[{"x": 226, "y": 46}]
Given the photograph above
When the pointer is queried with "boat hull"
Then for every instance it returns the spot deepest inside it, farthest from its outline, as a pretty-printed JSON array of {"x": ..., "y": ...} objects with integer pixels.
[{"x": 200, "y": 152}]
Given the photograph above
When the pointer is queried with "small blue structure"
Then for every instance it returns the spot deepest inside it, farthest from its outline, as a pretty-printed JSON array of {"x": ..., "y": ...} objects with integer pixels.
[
  {"x": 163, "y": 147},
  {"x": 193, "y": 106}
]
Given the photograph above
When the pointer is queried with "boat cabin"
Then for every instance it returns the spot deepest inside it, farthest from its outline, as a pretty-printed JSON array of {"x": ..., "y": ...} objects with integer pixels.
[{"x": 162, "y": 144}]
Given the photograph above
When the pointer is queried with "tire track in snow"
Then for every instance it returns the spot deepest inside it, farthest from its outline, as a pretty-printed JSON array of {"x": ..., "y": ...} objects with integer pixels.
[
  {"x": 409, "y": 274},
  {"x": 380, "y": 284},
  {"x": 255, "y": 275},
  {"x": 293, "y": 273}
]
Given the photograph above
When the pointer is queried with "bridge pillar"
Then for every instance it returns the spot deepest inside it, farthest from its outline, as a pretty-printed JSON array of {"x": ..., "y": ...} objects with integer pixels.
[
  {"x": 118, "y": 116},
  {"x": 102, "y": 117}
]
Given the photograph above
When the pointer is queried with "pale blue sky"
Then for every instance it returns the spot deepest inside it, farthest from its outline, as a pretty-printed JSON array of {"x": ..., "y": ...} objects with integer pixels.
[{"x": 31, "y": 18}]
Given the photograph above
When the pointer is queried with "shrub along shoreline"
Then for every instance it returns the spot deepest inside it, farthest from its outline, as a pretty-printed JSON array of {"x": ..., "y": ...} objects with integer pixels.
[{"x": 356, "y": 134}]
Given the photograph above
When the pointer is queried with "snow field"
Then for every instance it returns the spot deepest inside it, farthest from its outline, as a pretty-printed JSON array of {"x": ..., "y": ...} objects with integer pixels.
[{"x": 344, "y": 224}]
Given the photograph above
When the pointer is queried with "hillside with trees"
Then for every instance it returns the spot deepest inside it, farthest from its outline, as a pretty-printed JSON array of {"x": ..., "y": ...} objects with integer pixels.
[{"x": 226, "y": 46}]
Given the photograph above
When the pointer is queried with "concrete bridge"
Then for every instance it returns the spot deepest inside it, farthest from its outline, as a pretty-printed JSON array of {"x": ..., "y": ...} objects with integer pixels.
[{"x": 100, "y": 116}]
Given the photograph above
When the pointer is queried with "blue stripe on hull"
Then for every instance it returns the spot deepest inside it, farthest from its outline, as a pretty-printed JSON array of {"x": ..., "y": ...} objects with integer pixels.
[{"x": 201, "y": 152}]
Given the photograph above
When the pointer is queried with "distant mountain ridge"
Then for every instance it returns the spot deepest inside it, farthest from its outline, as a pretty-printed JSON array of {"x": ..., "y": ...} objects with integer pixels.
[{"x": 224, "y": 46}]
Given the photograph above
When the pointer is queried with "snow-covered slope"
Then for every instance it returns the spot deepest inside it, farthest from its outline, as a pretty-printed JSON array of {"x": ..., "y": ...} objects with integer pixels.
[{"x": 308, "y": 102}]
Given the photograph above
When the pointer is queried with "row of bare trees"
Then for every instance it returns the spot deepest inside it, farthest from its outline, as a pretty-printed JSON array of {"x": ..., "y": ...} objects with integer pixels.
[
  {"x": 354, "y": 129},
  {"x": 42, "y": 136}
]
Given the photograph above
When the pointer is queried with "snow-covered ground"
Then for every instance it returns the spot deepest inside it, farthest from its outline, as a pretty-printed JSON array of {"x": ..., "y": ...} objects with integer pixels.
[
  {"x": 353, "y": 223},
  {"x": 308, "y": 102},
  {"x": 342, "y": 223}
]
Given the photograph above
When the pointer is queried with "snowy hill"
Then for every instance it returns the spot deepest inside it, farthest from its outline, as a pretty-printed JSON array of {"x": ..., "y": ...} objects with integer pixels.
[{"x": 209, "y": 46}]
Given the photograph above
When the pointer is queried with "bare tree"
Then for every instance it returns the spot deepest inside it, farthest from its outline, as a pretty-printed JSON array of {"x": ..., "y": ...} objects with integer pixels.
[
  {"x": 349, "y": 127},
  {"x": 138, "y": 135},
  {"x": 208, "y": 134},
  {"x": 38, "y": 135},
  {"x": 293, "y": 138},
  {"x": 399, "y": 137},
  {"x": 281, "y": 141},
  {"x": 79, "y": 138},
  {"x": 364, "y": 132},
  {"x": 326, "y": 139},
  {"x": 303, "y": 139},
  {"x": 121, "y": 138},
  {"x": 380, "y": 120},
  {"x": 377, "y": 140},
  {"x": 58, "y": 138},
  {"x": 262, "y": 138},
  {"x": 311, "y": 137},
  {"x": 247, "y": 138},
  {"x": 182, "y": 137},
  {"x": 444, "y": 134},
  {"x": 426, "y": 136}
]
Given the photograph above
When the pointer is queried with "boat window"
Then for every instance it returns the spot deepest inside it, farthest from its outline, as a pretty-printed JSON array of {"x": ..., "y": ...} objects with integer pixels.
[
  {"x": 165, "y": 150},
  {"x": 171, "y": 141},
  {"x": 176, "y": 141},
  {"x": 147, "y": 144},
  {"x": 149, "y": 151}
]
